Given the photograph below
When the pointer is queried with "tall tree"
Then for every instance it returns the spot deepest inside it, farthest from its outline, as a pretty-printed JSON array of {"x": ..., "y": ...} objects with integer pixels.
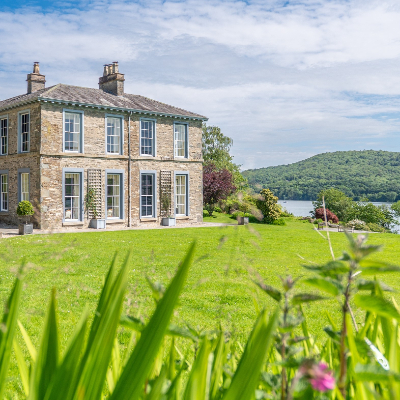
[{"x": 216, "y": 147}]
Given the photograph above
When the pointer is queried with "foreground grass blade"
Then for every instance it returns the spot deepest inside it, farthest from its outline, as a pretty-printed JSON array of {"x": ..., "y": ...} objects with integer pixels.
[
  {"x": 247, "y": 374},
  {"x": 139, "y": 365},
  {"x": 22, "y": 367},
  {"x": 65, "y": 379},
  {"x": 47, "y": 358},
  {"x": 197, "y": 383},
  {"x": 7, "y": 332},
  {"x": 97, "y": 356}
]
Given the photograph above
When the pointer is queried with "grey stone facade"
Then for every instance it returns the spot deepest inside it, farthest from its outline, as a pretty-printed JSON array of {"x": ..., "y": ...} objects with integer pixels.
[{"x": 47, "y": 161}]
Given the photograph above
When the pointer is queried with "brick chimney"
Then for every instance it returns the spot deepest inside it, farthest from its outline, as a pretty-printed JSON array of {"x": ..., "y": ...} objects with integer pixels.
[
  {"x": 35, "y": 80},
  {"x": 112, "y": 81}
]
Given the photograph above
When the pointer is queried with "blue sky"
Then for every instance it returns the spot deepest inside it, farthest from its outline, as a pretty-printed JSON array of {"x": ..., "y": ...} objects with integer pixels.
[{"x": 285, "y": 79}]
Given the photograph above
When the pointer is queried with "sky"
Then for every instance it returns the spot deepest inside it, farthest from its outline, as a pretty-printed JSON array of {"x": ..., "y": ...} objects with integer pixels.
[{"x": 285, "y": 79}]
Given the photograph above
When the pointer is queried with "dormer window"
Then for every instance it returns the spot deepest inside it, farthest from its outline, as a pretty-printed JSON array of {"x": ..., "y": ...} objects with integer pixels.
[{"x": 73, "y": 131}]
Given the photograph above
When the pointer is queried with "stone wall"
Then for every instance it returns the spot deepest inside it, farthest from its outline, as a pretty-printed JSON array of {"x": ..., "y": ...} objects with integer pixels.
[{"x": 13, "y": 162}]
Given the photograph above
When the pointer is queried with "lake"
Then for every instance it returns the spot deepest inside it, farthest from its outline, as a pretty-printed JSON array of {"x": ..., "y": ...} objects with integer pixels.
[{"x": 302, "y": 208}]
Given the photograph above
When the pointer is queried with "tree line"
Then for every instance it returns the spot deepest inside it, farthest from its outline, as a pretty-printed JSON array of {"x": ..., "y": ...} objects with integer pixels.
[{"x": 367, "y": 174}]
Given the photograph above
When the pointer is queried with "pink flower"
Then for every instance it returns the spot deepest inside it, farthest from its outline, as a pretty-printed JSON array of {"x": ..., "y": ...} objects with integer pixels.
[{"x": 321, "y": 379}]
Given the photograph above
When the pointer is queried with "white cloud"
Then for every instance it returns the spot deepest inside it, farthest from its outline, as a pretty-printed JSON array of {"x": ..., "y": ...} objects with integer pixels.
[{"x": 286, "y": 81}]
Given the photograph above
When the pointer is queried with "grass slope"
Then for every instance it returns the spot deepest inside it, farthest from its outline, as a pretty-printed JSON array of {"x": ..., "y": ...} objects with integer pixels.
[
  {"x": 219, "y": 289},
  {"x": 368, "y": 173}
]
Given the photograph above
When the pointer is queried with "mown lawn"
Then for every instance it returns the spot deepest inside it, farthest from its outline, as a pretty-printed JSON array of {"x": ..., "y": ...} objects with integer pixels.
[{"x": 219, "y": 289}]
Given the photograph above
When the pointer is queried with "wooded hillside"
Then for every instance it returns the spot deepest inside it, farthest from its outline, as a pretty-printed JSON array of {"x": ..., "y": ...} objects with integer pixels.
[{"x": 367, "y": 173}]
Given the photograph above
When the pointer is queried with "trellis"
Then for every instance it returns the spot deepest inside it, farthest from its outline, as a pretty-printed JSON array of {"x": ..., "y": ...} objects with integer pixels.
[
  {"x": 94, "y": 181},
  {"x": 166, "y": 191}
]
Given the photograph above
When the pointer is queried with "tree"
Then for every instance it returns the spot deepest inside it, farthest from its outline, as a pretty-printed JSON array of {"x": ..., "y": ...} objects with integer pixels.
[
  {"x": 216, "y": 147},
  {"x": 268, "y": 205},
  {"x": 336, "y": 201},
  {"x": 217, "y": 185},
  {"x": 330, "y": 216},
  {"x": 396, "y": 209}
]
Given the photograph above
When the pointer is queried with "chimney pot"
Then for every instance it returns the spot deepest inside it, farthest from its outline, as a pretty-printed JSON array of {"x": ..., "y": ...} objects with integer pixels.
[
  {"x": 35, "y": 80},
  {"x": 112, "y": 81}
]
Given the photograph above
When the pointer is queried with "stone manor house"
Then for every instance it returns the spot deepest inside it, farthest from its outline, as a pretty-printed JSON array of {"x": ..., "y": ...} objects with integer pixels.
[{"x": 57, "y": 142}]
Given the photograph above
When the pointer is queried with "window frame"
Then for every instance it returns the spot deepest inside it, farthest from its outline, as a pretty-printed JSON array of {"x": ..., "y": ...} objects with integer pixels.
[
  {"x": 186, "y": 124},
  {"x": 20, "y": 172},
  {"x": 121, "y": 137},
  {"x": 4, "y": 117},
  {"x": 4, "y": 172},
  {"x": 154, "y": 173},
  {"x": 81, "y": 184},
  {"x": 154, "y": 148},
  {"x": 187, "y": 175},
  {"x": 121, "y": 174},
  {"x": 82, "y": 133},
  {"x": 20, "y": 113}
]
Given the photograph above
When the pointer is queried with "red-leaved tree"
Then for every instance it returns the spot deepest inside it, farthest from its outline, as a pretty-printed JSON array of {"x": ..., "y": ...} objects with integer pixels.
[
  {"x": 217, "y": 185},
  {"x": 330, "y": 216}
]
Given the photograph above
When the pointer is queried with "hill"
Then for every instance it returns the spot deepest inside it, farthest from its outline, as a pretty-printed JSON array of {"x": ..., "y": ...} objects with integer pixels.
[{"x": 359, "y": 174}]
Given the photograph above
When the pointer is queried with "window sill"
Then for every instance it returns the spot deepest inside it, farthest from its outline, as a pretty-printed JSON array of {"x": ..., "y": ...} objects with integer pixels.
[
  {"x": 4, "y": 213},
  {"x": 72, "y": 223},
  {"x": 182, "y": 217},
  {"x": 148, "y": 219},
  {"x": 114, "y": 221}
]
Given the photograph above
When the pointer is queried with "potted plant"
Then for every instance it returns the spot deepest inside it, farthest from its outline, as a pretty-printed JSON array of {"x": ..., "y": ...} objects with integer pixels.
[
  {"x": 91, "y": 206},
  {"x": 168, "y": 220},
  {"x": 242, "y": 219},
  {"x": 25, "y": 211}
]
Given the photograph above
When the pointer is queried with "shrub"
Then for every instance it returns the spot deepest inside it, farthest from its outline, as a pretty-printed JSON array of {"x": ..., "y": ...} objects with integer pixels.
[
  {"x": 317, "y": 221},
  {"x": 357, "y": 224},
  {"x": 279, "y": 221},
  {"x": 217, "y": 209},
  {"x": 205, "y": 213},
  {"x": 331, "y": 217},
  {"x": 375, "y": 227},
  {"x": 268, "y": 205},
  {"x": 25, "y": 208},
  {"x": 336, "y": 201}
]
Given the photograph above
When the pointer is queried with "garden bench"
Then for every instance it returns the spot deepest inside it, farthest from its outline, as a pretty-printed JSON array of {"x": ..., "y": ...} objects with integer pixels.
[{"x": 321, "y": 226}]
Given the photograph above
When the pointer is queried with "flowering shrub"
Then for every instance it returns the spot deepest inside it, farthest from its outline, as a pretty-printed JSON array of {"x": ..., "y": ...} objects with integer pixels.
[{"x": 330, "y": 216}]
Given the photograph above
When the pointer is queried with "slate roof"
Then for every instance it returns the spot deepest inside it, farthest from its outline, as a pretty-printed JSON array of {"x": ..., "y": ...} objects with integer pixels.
[{"x": 96, "y": 97}]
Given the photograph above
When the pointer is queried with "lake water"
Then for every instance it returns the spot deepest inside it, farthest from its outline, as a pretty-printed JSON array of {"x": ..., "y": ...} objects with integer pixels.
[{"x": 302, "y": 208}]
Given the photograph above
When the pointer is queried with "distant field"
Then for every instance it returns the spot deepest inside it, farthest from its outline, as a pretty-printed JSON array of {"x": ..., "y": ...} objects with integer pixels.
[{"x": 219, "y": 289}]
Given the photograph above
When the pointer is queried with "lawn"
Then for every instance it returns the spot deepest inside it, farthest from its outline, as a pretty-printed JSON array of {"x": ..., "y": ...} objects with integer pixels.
[{"x": 219, "y": 288}]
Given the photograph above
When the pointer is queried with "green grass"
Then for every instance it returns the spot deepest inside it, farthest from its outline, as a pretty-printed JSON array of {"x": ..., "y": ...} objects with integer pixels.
[
  {"x": 220, "y": 218},
  {"x": 219, "y": 288}
]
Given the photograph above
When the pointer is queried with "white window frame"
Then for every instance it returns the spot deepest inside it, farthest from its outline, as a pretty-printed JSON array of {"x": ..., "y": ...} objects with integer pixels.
[
  {"x": 82, "y": 131},
  {"x": 154, "y": 195},
  {"x": 23, "y": 171},
  {"x": 4, "y": 118},
  {"x": 121, "y": 134},
  {"x": 121, "y": 174},
  {"x": 78, "y": 171},
  {"x": 20, "y": 143},
  {"x": 154, "y": 139},
  {"x": 186, "y": 125},
  {"x": 187, "y": 199},
  {"x": 4, "y": 173}
]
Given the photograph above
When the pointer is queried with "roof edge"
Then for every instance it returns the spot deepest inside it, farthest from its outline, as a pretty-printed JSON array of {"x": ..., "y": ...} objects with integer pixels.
[{"x": 132, "y": 110}]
